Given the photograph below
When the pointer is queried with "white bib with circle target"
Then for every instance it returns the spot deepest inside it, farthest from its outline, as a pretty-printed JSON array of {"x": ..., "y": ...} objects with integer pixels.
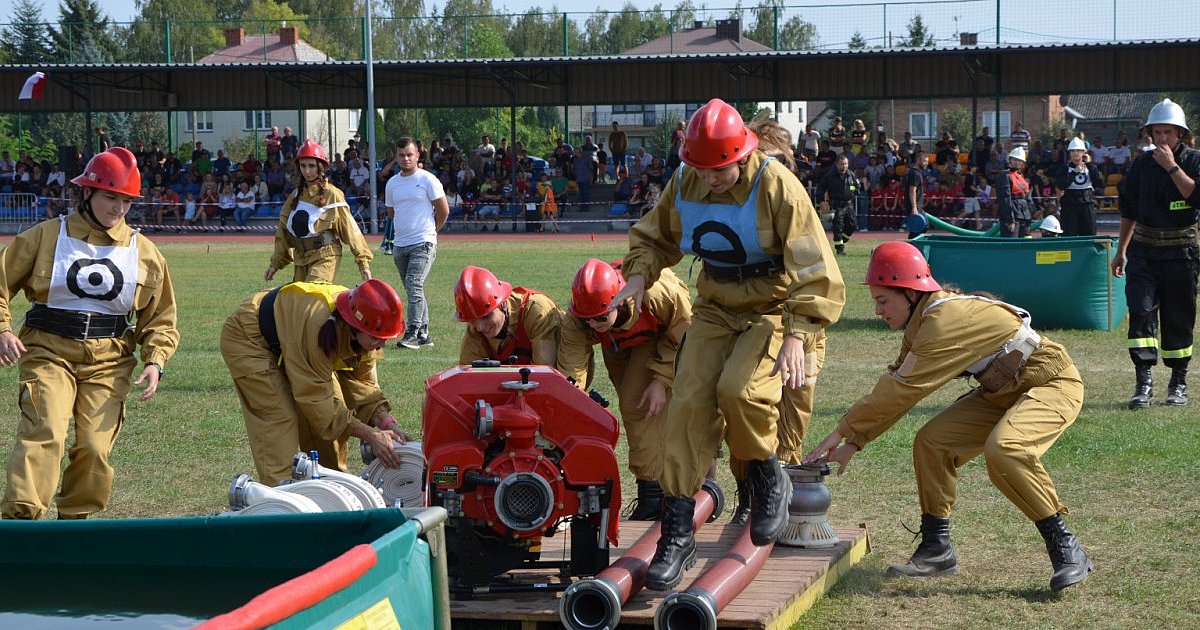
[
  {"x": 94, "y": 278},
  {"x": 302, "y": 220}
]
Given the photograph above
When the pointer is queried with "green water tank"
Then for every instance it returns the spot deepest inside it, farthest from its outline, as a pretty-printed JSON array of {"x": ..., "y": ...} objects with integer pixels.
[{"x": 1062, "y": 282}]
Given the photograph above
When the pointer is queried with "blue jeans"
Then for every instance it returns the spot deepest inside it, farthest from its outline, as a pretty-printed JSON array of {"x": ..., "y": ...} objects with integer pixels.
[{"x": 414, "y": 262}]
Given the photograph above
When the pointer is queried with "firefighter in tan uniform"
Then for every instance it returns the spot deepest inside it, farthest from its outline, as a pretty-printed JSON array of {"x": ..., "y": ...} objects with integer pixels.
[
  {"x": 314, "y": 223},
  {"x": 99, "y": 290},
  {"x": 504, "y": 322},
  {"x": 769, "y": 276},
  {"x": 796, "y": 406},
  {"x": 639, "y": 352},
  {"x": 1029, "y": 393},
  {"x": 301, "y": 357}
]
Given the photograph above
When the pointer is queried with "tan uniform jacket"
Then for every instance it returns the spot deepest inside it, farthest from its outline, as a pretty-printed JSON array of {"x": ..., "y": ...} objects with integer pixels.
[
  {"x": 298, "y": 319},
  {"x": 811, "y": 292},
  {"x": 338, "y": 220},
  {"x": 28, "y": 262},
  {"x": 670, "y": 303},
  {"x": 939, "y": 346},
  {"x": 541, "y": 320}
]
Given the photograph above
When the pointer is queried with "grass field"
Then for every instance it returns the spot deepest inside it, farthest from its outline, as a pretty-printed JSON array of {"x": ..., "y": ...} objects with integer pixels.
[{"x": 1130, "y": 479}]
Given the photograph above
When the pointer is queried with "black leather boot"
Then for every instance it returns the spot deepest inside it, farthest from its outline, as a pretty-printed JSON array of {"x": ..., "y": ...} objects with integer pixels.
[
  {"x": 648, "y": 504},
  {"x": 770, "y": 492},
  {"x": 676, "y": 551},
  {"x": 1177, "y": 387},
  {"x": 741, "y": 514},
  {"x": 1143, "y": 391},
  {"x": 1071, "y": 563},
  {"x": 935, "y": 555}
]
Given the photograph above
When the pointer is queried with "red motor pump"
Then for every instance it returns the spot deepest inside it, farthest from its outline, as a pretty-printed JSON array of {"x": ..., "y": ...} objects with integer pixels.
[{"x": 513, "y": 453}]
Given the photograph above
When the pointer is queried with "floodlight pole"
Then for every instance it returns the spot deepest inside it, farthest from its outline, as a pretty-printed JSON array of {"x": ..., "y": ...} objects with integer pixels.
[{"x": 374, "y": 179}]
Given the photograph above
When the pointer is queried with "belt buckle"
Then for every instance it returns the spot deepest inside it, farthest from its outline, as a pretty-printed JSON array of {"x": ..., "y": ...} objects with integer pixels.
[{"x": 87, "y": 325}]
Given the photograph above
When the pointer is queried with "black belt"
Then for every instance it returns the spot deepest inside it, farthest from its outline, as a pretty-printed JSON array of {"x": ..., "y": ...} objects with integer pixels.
[
  {"x": 80, "y": 325},
  {"x": 1171, "y": 237},
  {"x": 738, "y": 273},
  {"x": 266, "y": 321}
]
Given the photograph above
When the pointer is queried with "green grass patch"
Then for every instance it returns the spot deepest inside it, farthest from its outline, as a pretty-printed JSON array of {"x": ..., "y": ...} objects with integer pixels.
[{"x": 1130, "y": 479}]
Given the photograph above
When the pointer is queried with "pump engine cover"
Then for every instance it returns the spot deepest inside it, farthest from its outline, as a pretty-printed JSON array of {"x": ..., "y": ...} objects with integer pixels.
[{"x": 513, "y": 452}]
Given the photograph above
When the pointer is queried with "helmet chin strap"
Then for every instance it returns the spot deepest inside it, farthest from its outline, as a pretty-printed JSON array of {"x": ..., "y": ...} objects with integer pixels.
[
  {"x": 912, "y": 306},
  {"x": 86, "y": 207}
]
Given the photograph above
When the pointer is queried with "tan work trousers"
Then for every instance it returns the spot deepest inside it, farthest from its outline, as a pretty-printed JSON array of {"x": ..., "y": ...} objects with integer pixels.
[
  {"x": 323, "y": 270},
  {"x": 723, "y": 387},
  {"x": 61, "y": 379},
  {"x": 276, "y": 429},
  {"x": 1011, "y": 439},
  {"x": 795, "y": 409},
  {"x": 631, "y": 376}
]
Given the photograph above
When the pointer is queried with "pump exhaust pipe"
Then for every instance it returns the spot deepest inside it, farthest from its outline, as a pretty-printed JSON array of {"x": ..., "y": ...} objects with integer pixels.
[
  {"x": 698, "y": 606},
  {"x": 595, "y": 603}
]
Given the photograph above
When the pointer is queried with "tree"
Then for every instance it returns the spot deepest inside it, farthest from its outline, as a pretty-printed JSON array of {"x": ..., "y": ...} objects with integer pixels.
[
  {"x": 957, "y": 120},
  {"x": 194, "y": 31},
  {"x": 24, "y": 41},
  {"x": 794, "y": 33},
  {"x": 82, "y": 25},
  {"x": 262, "y": 17},
  {"x": 538, "y": 33},
  {"x": 614, "y": 33},
  {"x": 857, "y": 41},
  {"x": 333, "y": 25},
  {"x": 12, "y": 142},
  {"x": 229, "y": 10},
  {"x": 406, "y": 34},
  {"x": 919, "y": 36},
  {"x": 455, "y": 35},
  {"x": 659, "y": 142}
]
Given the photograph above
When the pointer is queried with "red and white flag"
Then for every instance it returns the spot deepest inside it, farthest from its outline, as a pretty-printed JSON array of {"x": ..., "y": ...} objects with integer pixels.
[{"x": 33, "y": 86}]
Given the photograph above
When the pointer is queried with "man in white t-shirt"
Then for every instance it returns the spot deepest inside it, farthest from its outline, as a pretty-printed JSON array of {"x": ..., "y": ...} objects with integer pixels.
[
  {"x": 359, "y": 174},
  {"x": 812, "y": 142},
  {"x": 417, "y": 202},
  {"x": 1120, "y": 155},
  {"x": 487, "y": 151}
]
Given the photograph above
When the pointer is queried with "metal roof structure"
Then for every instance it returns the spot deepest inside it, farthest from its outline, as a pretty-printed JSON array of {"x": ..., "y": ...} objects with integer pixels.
[{"x": 1142, "y": 66}]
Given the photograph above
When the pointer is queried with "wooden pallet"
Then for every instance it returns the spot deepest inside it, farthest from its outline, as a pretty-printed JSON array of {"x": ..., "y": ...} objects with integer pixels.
[{"x": 789, "y": 584}]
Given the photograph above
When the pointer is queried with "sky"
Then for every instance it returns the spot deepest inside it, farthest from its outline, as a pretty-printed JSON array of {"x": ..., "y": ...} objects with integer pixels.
[{"x": 1025, "y": 21}]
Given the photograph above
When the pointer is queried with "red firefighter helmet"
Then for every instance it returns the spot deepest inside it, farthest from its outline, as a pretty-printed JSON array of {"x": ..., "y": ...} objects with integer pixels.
[
  {"x": 478, "y": 293},
  {"x": 373, "y": 307},
  {"x": 716, "y": 137},
  {"x": 114, "y": 170},
  {"x": 310, "y": 149},
  {"x": 898, "y": 264},
  {"x": 595, "y": 285}
]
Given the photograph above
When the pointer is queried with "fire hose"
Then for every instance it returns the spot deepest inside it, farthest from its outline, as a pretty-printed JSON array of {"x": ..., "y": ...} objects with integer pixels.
[
  {"x": 595, "y": 603},
  {"x": 248, "y": 497},
  {"x": 403, "y": 485},
  {"x": 304, "y": 468},
  {"x": 697, "y": 607}
]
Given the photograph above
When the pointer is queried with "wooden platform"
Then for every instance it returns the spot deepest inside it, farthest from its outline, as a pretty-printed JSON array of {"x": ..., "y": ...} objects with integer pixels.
[{"x": 790, "y": 583}]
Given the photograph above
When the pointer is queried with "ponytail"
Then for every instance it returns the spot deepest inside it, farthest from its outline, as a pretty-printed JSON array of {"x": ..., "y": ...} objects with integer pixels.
[{"x": 327, "y": 339}]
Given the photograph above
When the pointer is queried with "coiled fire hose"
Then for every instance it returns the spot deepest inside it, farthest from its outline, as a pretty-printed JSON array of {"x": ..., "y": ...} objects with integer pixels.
[
  {"x": 403, "y": 486},
  {"x": 304, "y": 468}
]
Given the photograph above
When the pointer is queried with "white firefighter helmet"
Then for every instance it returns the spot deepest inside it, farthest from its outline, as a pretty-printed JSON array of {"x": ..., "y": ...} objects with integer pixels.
[
  {"x": 1167, "y": 112},
  {"x": 1077, "y": 144},
  {"x": 1017, "y": 153},
  {"x": 1051, "y": 224}
]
